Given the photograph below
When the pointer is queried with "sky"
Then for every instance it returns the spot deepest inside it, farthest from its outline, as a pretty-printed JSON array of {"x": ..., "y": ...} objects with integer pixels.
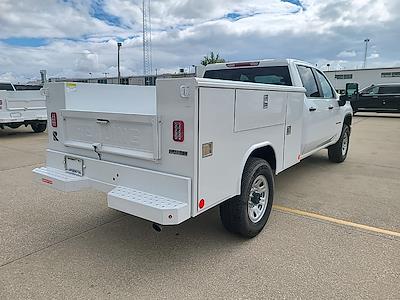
[{"x": 78, "y": 38}]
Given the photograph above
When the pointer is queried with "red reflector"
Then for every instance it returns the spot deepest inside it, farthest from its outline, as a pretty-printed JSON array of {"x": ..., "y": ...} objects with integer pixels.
[
  {"x": 178, "y": 131},
  {"x": 54, "y": 119},
  {"x": 202, "y": 202},
  {"x": 47, "y": 181},
  {"x": 243, "y": 64}
]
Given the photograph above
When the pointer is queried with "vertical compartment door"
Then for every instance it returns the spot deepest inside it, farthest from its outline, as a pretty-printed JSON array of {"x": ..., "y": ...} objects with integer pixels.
[{"x": 293, "y": 128}]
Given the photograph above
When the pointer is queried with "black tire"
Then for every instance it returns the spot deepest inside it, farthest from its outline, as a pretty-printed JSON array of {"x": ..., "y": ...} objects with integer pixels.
[
  {"x": 335, "y": 152},
  {"x": 14, "y": 125},
  {"x": 39, "y": 127},
  {"x": 235, "y": 212}
]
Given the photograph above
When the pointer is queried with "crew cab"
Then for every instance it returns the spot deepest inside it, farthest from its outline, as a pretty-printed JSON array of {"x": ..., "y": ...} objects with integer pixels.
[
  {"x": 171, "y": 152},
  {"x": 25, "y": 107},
  {"x": 378, "y": 98}
]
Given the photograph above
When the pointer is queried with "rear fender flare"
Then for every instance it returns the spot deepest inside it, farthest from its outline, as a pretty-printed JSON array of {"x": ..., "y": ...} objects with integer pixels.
[{"x": 244, "y": 161}]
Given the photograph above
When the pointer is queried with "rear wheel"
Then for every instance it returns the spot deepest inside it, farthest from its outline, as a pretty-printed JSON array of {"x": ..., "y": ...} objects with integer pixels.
[
  {"x": 38, "y": 127},
  {"x": 338, "y": 152},
  {"x": 248, "y": 213},
  {"x": 14, "y": 125}
]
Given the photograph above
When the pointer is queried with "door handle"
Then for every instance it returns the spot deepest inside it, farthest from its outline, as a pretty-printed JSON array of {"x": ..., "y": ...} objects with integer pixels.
[
  {"x": 312, "y": 109},
  {"x": 102, "y": 121},
  {"x": 331, "y": 107}
]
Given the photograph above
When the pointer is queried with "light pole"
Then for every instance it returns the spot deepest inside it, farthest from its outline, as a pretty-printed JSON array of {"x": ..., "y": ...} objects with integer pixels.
[
  {"x": 119, "y": 70},
  {"x": 366, "y": 52},
  {"x": 329, "y": 66}
]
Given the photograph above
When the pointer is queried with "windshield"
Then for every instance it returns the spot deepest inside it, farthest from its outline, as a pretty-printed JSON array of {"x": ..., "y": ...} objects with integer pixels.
[{"x": 267, "y": 75}]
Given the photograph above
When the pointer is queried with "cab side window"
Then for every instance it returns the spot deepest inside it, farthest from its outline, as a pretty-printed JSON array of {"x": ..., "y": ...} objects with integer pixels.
[
  {"x": 371, "y": 90},
  {"x": 325, "y": 86},
  {"x": 374, "y": 90},
  {"x": 309, "y": 82}
]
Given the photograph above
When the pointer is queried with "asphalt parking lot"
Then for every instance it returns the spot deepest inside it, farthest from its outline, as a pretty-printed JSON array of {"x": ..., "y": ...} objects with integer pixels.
[{"x": 57, "y": 245}]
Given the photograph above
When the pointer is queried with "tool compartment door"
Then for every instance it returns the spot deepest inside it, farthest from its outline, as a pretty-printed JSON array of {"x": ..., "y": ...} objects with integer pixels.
[
  {"x": 130, "y": 135},
  {"x": 216, "y": 180},
  {"x": 293, "y": 128},
  {"x": 258, "y": 109}
]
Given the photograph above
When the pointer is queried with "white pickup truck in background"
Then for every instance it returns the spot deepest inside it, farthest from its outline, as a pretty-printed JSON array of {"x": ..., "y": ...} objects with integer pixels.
[
  {"x": 19, "y": 108},
  {"x": 171, "y": 152}
]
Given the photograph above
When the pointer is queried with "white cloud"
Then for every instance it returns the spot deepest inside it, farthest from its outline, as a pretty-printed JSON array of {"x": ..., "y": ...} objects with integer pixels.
[
  {"x": 374, "y": 56},
  {"x": 8, "y": 77},
  {"x": 347, "y": 53},
  {"x": 76, "y": 41}
]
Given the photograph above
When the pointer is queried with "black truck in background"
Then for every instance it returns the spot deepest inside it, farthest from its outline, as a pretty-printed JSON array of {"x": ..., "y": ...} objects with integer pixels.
[{"x": 378, "y": 98}]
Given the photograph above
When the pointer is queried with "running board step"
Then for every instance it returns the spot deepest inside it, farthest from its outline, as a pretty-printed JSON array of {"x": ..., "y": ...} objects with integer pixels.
[{"x": 155, "y": 208}]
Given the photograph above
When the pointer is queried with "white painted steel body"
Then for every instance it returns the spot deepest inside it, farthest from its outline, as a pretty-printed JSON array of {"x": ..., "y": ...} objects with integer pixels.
[
  {"x": 122, "y": 138},
  {"x": 22, "y": 106}
]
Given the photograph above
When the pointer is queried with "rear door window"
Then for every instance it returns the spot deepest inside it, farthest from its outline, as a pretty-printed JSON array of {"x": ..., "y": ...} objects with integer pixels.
[
  {"x": 389, "y": 89},
  {"x": 268, "y": 75},
  {"x": 309, "y": 82}
]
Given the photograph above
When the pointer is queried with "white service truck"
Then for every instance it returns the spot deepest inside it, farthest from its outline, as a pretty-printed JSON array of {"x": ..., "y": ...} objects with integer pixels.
[
  {"x": 25, "y": 107},
  {"x": 171, "y": 152}
]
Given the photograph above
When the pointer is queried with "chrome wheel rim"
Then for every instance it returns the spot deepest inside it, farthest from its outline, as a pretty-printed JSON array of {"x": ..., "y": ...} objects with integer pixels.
[
  {"x": 345, "y": 143},
  {"x": 258, "y": 199}
]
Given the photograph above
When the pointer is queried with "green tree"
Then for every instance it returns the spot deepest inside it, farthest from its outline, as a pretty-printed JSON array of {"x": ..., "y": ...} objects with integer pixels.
[{"x": 212, "y": 59}]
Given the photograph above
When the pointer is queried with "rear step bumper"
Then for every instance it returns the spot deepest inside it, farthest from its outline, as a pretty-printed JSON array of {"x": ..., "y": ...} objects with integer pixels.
[
  {"x": 148, "y": 206},
  {"x": 158, "y": 197},
  {"x": 60, "y": 180}
]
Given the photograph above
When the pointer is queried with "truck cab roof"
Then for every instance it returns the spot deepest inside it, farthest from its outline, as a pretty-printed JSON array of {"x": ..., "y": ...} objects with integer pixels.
[
  {"x": 257, "y": 63},
  {"x": 266, "y": 71}
]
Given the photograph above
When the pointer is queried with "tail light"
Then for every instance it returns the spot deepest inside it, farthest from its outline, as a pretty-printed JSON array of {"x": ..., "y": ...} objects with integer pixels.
[
  {"x": 202, "y": 203},
  {"x": 53, "y": 120},
  {"x": 178, "y": 131}
]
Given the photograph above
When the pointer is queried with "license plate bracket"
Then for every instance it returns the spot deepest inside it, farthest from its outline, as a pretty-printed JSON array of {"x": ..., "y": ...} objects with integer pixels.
[{"x": 73, "y": 165}]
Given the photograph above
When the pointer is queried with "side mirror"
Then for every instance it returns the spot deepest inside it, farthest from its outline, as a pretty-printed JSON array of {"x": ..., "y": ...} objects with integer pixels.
[
  {"x": 352, "y": 94},
  {"x": 351, "y": 89}
]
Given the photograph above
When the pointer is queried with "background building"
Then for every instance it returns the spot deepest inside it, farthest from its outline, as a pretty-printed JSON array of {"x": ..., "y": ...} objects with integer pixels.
[{"x": 364, "y": 77}]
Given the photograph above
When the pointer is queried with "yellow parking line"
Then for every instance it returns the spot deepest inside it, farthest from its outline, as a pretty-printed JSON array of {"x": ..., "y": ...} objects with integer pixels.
[{"x": 336, "y": 221}]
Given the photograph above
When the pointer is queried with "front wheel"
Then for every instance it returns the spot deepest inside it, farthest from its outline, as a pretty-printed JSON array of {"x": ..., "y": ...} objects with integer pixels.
[
  {"x": 247, "y": 213},
  {"x": 338, "y": 152}
]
